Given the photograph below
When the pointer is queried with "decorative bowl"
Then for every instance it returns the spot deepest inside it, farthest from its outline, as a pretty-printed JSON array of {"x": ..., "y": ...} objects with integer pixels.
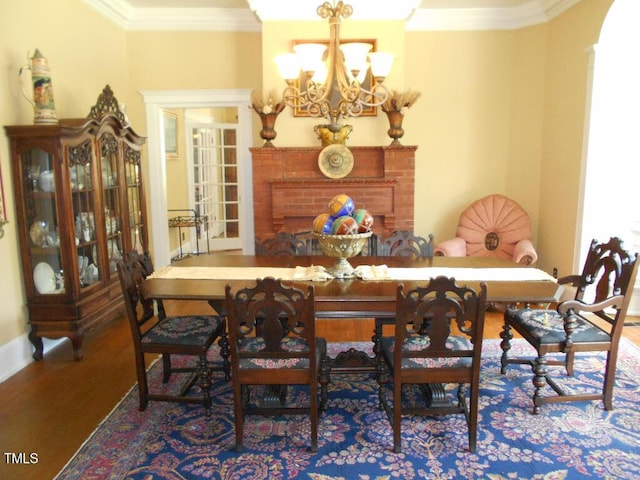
[{"x": 342, "y": 247}]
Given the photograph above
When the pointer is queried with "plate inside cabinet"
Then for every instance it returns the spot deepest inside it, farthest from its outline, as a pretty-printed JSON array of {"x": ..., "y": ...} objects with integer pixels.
[
  {"x": 335, "y": 161},
  {"x": 44, "y": 278},
  {"x": 38, "y": 233}
]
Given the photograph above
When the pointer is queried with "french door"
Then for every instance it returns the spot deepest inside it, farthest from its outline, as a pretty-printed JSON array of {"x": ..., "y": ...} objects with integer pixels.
[{"x": 214, "y": 187}]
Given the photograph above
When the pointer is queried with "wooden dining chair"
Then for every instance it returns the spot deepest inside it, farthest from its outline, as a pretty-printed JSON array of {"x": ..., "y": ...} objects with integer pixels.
[
  {"x": 282, "y": 243},
  {"x": 190, "y": 335},
  {"x": 404, "y": 243},
  {"x": 400, "y": 243},
  {"x": 590, "y": 322},
  {"x": 437, "y": 340},
  {"x": 274, "y": 345}
]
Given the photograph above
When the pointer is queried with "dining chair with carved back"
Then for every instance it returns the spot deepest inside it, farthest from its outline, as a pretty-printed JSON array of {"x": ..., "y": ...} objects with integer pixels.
[
  {"x": 404, "y": 243},
  {"x": 591, "y": 321},
  {"x": 189, "y": 335},
  {"x": 274, "y": 344},
  {"x": 437, "y": 340},
  {"x": 283, "y": 243},
  {"x": 400, "y": 243}
]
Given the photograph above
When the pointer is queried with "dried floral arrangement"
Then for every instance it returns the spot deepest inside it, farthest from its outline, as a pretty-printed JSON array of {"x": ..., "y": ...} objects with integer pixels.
[
  {"x": 271, "y": 105},
  {"x": 400, "y": 101}
]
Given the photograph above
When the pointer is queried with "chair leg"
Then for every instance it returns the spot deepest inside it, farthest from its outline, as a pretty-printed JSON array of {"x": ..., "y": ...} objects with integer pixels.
[
  {"x": 143, "y": 387},
  {"x": 239, "y": 395},
  {"x": 505, "y": 344},
  {"x": 166, "y": 367},
  {"x": 225, "y": 353},
  {"x": 539, "y": 381},
  {"x": 314, "y": 416},
  {"x": 204, "y": 377},
  {"x": 397, "y": 417},
  {"x": 324, "y": 378},
  {"x": 472, "y": 419},
  {"x": 382, "y": 377},
  {"x": 569, "y": 363},
  {"x": 609, "y": 378}
]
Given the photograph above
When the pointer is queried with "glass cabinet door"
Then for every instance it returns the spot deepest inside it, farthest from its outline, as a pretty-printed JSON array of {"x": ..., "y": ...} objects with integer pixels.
[
  {"x": 137, "y": 232},
  {"x": 83, "y": 184},
  {"x": 42, "y": 220},
  {"x": 111, "y": 201}
]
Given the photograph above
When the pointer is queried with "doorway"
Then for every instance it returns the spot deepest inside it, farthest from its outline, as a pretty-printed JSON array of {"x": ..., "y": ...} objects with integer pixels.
[
  {"x": 611, "y": 151},
  {"x": 155, "y": 104}
]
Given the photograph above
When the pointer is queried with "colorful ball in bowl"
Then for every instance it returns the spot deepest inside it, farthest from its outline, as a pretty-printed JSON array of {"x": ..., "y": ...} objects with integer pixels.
[
  {"x": 323, "y": 223},
  {"x": 345, "y": 225},
  {"x": 341, "y": 205},
  {"x": 364, "y": 220}
]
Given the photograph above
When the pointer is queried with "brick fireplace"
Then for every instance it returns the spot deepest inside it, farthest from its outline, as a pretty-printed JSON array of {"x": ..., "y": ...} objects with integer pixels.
[{"x": 289, "y": 189}]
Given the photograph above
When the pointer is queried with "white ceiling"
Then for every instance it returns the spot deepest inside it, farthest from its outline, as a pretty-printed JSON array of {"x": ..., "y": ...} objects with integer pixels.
[{"x": 246, "y": 15}]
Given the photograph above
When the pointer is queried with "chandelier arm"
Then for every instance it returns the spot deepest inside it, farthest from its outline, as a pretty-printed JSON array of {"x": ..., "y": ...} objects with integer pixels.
[
  {"x": 293, "y": 98},
  {"x": 316, "y": 93},
  {"x": 374, "y": 97}
]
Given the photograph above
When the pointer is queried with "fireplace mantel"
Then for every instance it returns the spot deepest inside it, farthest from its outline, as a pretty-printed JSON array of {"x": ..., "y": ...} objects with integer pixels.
[{"x": 289, "y": 190}]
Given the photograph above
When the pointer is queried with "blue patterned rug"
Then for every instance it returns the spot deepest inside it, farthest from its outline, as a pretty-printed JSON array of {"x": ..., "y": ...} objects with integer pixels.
[{"x": 570, "y": 440}]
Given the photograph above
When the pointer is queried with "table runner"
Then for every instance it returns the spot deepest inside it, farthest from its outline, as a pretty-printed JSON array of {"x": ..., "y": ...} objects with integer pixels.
[{"x": 365, "y": 272}]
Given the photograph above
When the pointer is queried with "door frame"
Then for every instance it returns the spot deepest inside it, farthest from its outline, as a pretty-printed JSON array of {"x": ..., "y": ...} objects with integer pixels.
[{"x": 155, "y": 102}]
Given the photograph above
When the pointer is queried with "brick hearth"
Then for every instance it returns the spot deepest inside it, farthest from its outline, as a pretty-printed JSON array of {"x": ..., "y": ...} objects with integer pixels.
[{"x": 289, "y": 189}]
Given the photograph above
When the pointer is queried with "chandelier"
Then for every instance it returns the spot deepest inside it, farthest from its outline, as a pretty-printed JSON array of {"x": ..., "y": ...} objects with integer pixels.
[{"x": 331, "y": 85}]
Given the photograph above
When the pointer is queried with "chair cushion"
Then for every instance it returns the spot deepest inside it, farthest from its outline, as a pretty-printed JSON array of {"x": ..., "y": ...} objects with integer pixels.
[
  {"x": 188, "y": 330},
  {"x": 291, "y": 344},
  {"x": 416, "y": 343},
  {"x": 547, "y": 326}
]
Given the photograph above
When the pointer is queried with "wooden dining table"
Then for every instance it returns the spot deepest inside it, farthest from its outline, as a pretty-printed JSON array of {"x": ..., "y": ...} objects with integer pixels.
[{"x": 351, "y": 298}]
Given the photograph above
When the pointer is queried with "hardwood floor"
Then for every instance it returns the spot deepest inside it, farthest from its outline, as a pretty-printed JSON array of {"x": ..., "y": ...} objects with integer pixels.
[{"x": 50, "y": 407}]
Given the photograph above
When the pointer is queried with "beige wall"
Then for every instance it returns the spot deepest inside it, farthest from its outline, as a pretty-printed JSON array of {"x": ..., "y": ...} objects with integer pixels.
[
  {"x": 570, "y": 37},
  {"x": 500, "y": 112},
  {"x": 464, "y": 122}
]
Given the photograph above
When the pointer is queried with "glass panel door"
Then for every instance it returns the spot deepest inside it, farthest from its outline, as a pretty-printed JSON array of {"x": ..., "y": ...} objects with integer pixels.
[
  {"x": 111, "y": 201},
  {"x": 42, "y": 219},
  {"x": 83, "y": 184},
  {"x": 137, "y": 232},
  {"x": 215, "y": 185}
]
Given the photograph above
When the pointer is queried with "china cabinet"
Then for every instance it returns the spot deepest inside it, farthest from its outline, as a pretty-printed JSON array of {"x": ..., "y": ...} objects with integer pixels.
[{"x": 80, "y": 205}]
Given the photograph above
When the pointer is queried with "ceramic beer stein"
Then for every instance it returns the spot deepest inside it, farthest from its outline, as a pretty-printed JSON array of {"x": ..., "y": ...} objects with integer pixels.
[{"x": 44, "y": 107}]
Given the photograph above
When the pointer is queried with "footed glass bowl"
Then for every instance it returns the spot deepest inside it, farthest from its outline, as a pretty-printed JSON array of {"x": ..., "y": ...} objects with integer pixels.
[{"x": 342, "y": 247}]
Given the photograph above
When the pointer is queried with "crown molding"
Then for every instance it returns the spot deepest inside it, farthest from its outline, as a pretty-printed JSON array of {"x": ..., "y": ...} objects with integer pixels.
[
  {"x": 527, "y": 14},
  {"x": 530, "y": 13},
  {"x": 207, "y": 19}
]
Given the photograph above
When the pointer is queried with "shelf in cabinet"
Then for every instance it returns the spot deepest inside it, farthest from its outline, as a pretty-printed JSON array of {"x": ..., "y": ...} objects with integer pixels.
[
  {"x": 39, "y": 194},
  {"x": 45, "y": 250}
]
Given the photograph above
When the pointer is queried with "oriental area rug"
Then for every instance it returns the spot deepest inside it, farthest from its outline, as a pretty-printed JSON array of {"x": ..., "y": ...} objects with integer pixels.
[{"x": 566, "y": 441}]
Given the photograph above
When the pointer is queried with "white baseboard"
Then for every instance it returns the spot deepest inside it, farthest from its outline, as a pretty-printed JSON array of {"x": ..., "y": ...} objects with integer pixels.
[
  {"x": 186, "y": 250},
  {"x": 18, "y": 353}
]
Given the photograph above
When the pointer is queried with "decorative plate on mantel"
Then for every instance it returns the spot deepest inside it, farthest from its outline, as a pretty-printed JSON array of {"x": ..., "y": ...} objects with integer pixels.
[{"x": 335, "y": 161}]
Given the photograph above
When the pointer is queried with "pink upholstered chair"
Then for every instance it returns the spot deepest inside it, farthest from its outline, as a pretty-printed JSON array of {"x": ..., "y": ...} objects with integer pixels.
[{"x": 494, "y": 226}]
